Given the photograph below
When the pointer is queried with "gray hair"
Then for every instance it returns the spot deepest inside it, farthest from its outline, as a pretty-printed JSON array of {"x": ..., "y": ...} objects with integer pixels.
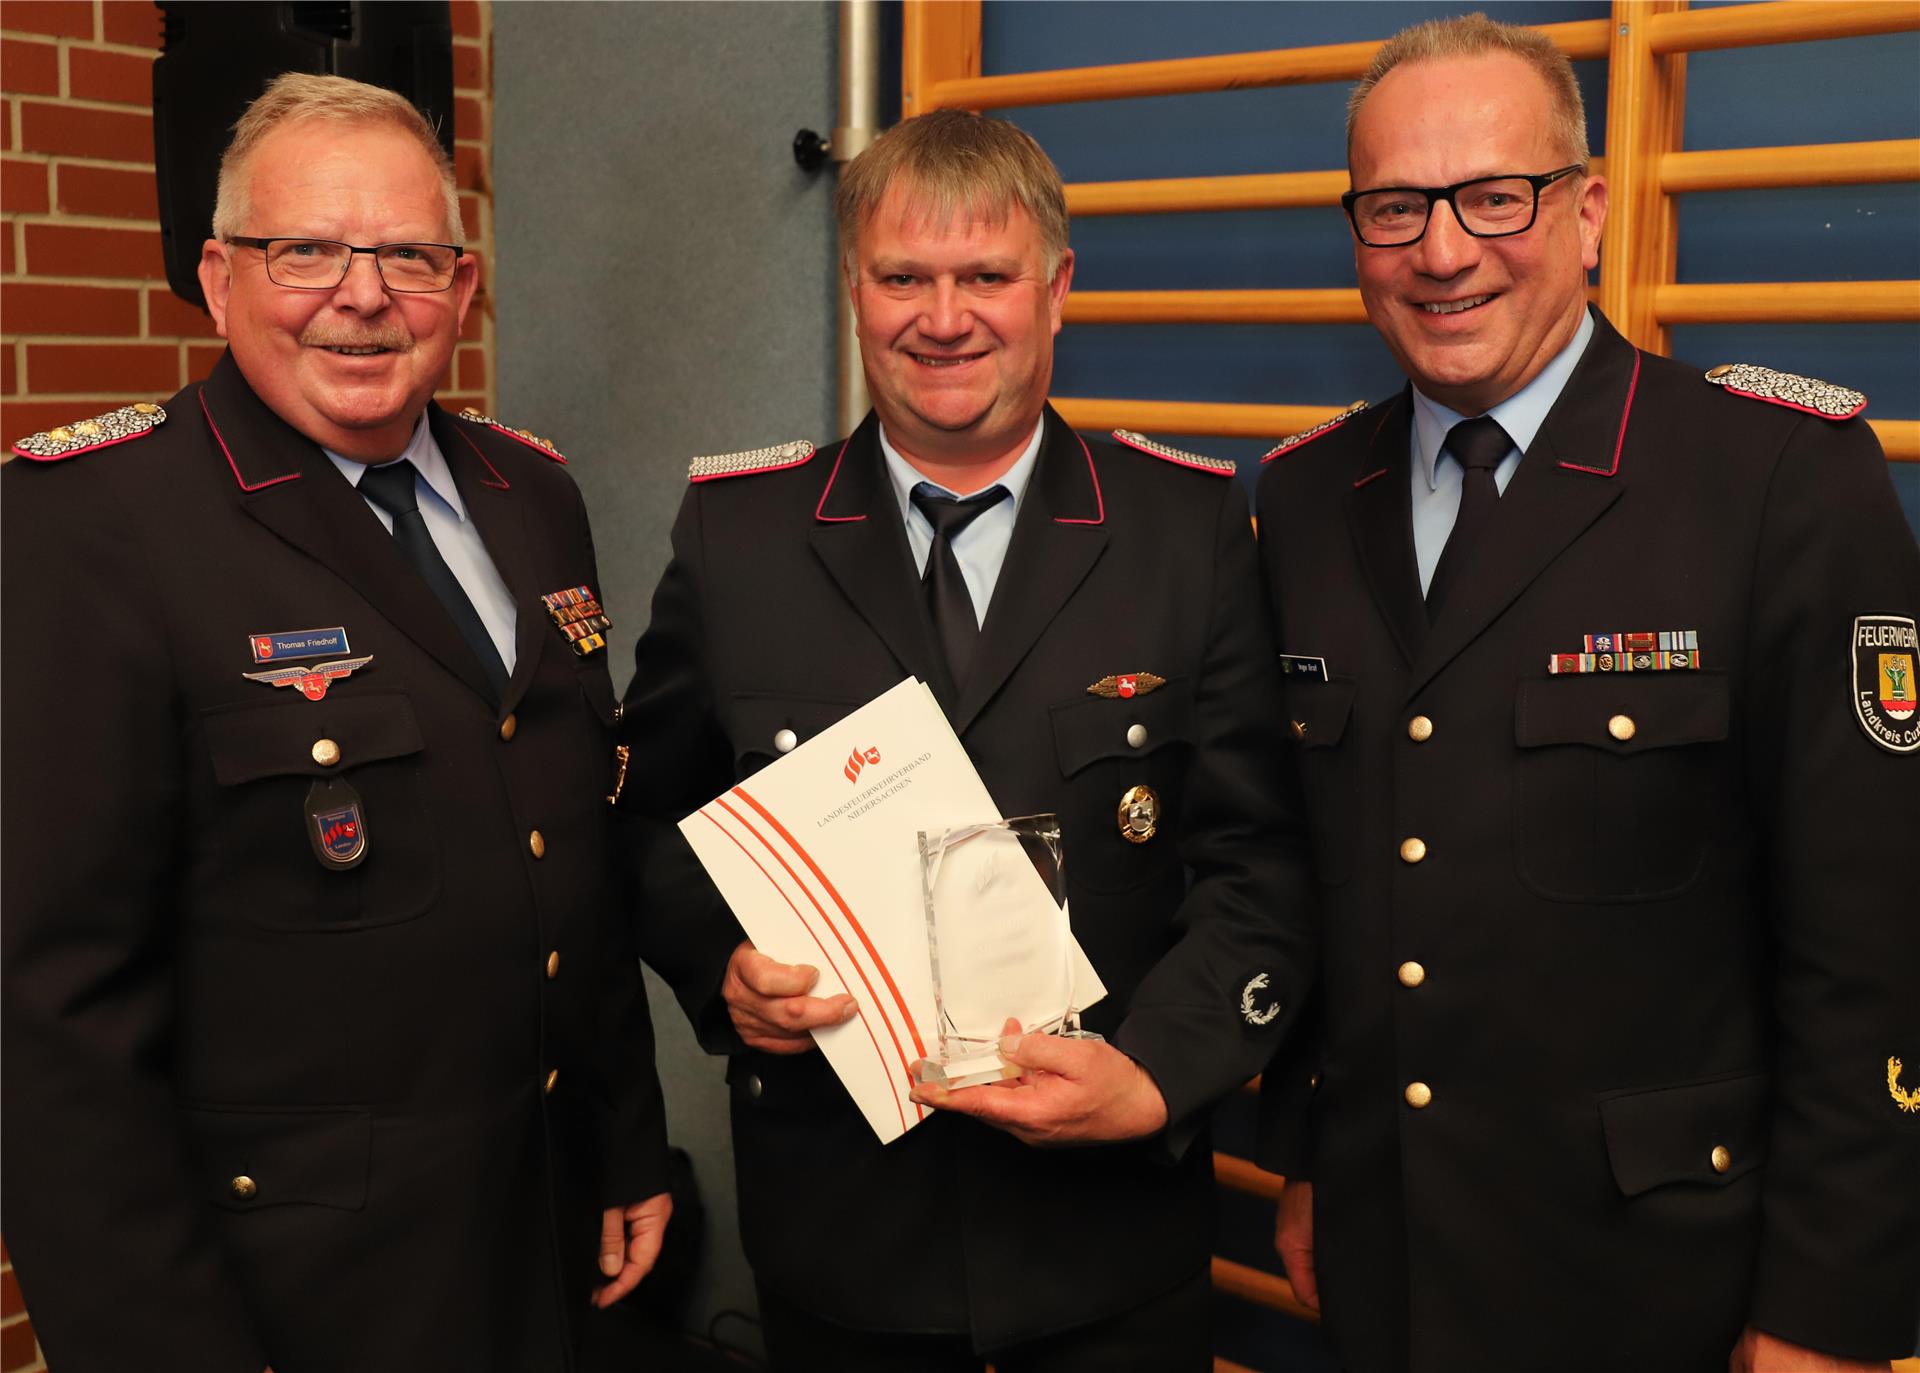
[
  {"x": 1473, "y": 35},
  {"x": 295, "y": 97}
]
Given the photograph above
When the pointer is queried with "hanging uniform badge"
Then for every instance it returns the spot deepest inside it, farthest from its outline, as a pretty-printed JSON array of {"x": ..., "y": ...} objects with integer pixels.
[{"x": 336, "y": 823}]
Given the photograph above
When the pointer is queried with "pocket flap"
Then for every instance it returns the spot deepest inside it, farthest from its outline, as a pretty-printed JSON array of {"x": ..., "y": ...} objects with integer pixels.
[
  {"x": 1661, "y": 709},
  {"x": 1095, "y": 727},
  {"x": 755, "y": 720},
  {"x": 1317, "y": 712},
  {"x": 277, "y": 738},
  {"x": 295, "y": 1156},
  {"x": 1708, "y": 1133}
]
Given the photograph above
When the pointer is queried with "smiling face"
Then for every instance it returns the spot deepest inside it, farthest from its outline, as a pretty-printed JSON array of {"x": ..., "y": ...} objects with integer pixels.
[
  {"x": 1473, "y": 320},
  {"x": 956, "y": 326},
  {"x": 352, "y": 368}
]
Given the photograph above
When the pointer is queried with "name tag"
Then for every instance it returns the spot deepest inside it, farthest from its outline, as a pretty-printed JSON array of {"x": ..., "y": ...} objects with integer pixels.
[
  {"x": 1294, "y": 665},
  {"x": 297, "y": 643}
]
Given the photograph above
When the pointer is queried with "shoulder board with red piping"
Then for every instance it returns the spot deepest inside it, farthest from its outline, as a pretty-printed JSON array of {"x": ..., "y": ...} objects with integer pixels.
[
  {"x": 533, "y": 441},
  {"x": 746, "y": 464},
  {"x": 1807, "y": 394},
  {"x": 68, "y": 440},
  {"x": 1219, "y": 467},
  {"x": 1306, "y": 436}
]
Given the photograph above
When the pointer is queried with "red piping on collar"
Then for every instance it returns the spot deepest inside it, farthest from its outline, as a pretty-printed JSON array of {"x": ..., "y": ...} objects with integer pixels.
[
  {"x": 834, "y": 519},
  {"x": 1378, "y": 426},
  {"x": 1369, "y": 477},
  {"x": 201, "y": 396},
  {"x": 1100, "y": 517},
  {"x": 1621, "y": 442},
  {"x": 499, "y": 483}
]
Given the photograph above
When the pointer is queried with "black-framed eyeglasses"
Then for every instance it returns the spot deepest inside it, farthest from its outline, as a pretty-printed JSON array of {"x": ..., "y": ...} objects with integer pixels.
[
  {"x": 321, "y": 264},
  {"x": 1486, "y": 207}
]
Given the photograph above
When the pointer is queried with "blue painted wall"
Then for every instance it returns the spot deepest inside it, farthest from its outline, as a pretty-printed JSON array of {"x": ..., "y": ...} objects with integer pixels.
[{"x": 1840, "y": 91}]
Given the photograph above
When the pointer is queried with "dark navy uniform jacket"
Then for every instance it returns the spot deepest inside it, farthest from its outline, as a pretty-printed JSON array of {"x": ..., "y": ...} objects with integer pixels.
[
  {"x": 428, "y": 1108},
  {"x": 792, "y": 600},
  {"x": 1663, "y": 921}
]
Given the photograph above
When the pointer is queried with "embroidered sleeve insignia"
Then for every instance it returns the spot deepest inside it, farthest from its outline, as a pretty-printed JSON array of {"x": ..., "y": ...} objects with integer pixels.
[
  {"x": 1807, "y": 394},
  {"x": 1306, "y": 436},
  {"x": 116, "y": 426},
  {"x": 1885, "y": 699},
  {"x": 1908, "y": 1101},
  {"x": 774, "y": 459},
  {"x": 1219, "y": 467},
  {"x": 533, "y": 441}
]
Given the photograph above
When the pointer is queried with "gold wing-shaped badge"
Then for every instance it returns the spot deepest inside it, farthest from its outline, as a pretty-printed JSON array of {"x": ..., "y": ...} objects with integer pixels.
[{"x": 1904, "y": 1099}]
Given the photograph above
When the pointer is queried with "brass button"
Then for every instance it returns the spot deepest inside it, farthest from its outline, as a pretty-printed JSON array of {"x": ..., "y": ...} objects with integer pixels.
[
  {"x": 1622, "y": 727},
  {"x": 1419, "y": 729},
  {"x": 1720, "y": 371},
  {"x": 1412, "y": 974},
  {"x": 141, "y": 407},
  {"x": 243, "y": 1187},
  {"x": 1418, "y": 1094},
  {"x": 755, "y": 1087},
  {"x": 553, "y": 964},
  {"x": 537, "y": 844},
  {"x": 553, "y": 1076},
  {"x": 60, "y": 435},
  {"x": 325, "y": 752},
  {"x": 507, "y": 727},
  {"x": 1722, "y": 1160},
  {"x": 1413, "y": 850},
  {"x": 1136, "y": 736},
  {"x": 1299, "y": 729},
  {"x": 785, "y": 740},
  {"x": 87, "y": 427}
]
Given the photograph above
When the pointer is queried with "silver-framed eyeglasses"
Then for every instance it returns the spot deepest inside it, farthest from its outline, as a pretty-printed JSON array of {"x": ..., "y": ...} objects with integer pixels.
[
  {"x": 1486, "y": 207},
  {"x": 321, "y": 264}
]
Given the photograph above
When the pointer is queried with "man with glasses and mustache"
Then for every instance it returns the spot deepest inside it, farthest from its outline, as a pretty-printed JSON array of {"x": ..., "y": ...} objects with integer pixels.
[
  {"x": 1590, "y": 662},
  {"x": 320, "y": 1050}
]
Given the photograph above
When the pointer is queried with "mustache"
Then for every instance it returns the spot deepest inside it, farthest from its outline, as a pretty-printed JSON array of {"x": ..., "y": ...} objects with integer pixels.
[{"x": 393, "y": 337}]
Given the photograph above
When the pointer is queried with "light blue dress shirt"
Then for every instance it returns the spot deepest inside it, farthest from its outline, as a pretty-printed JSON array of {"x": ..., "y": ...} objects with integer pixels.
[
  {"x": 1436, "y": 484},
  {"x": 980, "y": 548},
  {"x": 453, "y": 534}
]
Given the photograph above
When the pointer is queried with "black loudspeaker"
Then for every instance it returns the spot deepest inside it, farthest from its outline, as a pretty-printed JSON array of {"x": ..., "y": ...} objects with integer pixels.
[{"x": 217, "y": 55}]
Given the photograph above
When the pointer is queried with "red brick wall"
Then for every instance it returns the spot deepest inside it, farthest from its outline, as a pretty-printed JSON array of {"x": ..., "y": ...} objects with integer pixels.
[{"x": 86, "y": 320}]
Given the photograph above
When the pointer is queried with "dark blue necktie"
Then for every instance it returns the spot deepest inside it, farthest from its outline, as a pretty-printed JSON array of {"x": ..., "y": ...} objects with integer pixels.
[
  {"x": 1477, "y": 445},
  {"x": 946, "y": 588},
  {"x": 391, "y": 488}
]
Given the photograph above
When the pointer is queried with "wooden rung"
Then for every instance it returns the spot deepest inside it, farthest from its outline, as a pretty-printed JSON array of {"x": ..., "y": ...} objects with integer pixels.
[
  {"x": 1334, "y": 306},
  {"x": 1197, "y": 194},
  {"x": 1584, "y": 38},
  {"x": 1244, "y": 1175},
  {"x": 1809, "y": 164},
  {"x": 1259, "y": 1287},
  {"x": 1221, "y": 1365},
  {"x": 1901, "y": 439},
  {"x": 1778, "y": 21},
  {"x": 1788, "y": 302}
]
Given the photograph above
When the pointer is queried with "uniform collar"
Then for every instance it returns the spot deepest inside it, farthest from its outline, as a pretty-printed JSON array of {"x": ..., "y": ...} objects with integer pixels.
[
  {"x": 427, "y": 460},
  {"x": 904, "y": 476},
  {"x": 1520, "y": 414}
]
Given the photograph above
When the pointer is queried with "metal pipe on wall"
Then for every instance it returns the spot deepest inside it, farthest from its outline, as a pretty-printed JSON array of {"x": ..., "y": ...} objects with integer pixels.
[{"x": 859, "y": 125}]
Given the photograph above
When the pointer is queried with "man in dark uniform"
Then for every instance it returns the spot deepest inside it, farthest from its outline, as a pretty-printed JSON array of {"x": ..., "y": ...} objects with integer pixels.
[
  {"x": 1089, "y": 616},
  {"x": 1594, "y": 667},
  {"x": 320, "y": 1050}
]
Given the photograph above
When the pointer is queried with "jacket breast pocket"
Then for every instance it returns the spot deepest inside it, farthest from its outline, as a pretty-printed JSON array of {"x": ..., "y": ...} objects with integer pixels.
[
  {"x": 1108, "y": 750},
  {"x": 764, "y": 726},
  {"x": 1318, "y": 714},
  {"x": 1617, "y": 794},
  {"x": 255, "y": 855}
]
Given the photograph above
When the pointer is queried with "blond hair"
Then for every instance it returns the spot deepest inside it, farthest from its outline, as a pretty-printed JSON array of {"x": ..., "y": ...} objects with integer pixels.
[
  {"x": 296, "y": 97},
  {"x": 952, "y": 162},
  {"x": 1473, "y": 35}
]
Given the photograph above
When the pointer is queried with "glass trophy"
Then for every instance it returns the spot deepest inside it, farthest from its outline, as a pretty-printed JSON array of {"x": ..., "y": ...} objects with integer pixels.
[{"x": 1000, "y": 942}]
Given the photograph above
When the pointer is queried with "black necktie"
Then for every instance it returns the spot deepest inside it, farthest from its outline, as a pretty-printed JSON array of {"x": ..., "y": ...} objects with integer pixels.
[
  {"x": 391, "y": 488},
  {"x": 946, "y": 588},
  {"x": 1477, "y": 445}
]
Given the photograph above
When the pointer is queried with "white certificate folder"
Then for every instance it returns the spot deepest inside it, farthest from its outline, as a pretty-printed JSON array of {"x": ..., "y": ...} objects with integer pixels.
[{"x": 817, "y": 856}]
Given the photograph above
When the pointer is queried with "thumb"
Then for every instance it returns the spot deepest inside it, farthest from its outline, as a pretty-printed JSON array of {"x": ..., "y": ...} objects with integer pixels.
[
  {"x": 1048, "y": 1053},
  {"x": 613, "y": 1241}
]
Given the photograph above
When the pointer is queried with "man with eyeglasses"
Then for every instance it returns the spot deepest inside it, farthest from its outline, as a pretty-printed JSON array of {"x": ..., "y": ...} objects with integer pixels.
[
  {"x": 1593, "y": 666},
  {"x": 321, "y": 1051}
]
